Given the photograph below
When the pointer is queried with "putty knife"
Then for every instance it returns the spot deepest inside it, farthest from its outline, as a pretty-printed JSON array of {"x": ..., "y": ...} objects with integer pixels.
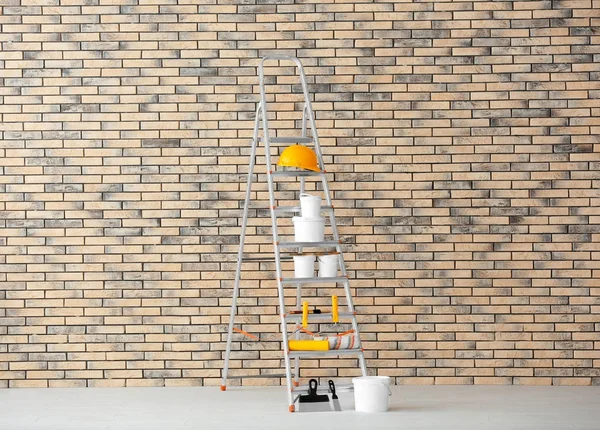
[
  {"x": 334, "y": 397},
  {"x": 313, "y": 402}
]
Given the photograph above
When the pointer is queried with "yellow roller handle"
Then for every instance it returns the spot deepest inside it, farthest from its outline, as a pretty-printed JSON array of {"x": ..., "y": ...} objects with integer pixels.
[
  {"x": 334, "y": 309},
  {"x": 304, "y": 314},
  {"x": 309, "y": 345}
]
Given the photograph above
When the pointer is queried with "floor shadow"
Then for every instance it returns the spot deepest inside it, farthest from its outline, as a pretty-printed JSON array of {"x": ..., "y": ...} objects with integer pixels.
[{"x": 411, "y": 408}]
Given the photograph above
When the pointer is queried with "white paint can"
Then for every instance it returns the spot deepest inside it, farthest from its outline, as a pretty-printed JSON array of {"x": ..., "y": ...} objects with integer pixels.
[
  {"x": 310, "y": 206},
  {"x": 372, "y": 393},
  {"x": 328, "y": 265},
  {"x": 304, "y": 266},
  {"x": 309, "y": 229}
]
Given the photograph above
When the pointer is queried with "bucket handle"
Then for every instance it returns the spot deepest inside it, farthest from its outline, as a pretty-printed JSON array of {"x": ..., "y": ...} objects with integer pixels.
[{"x": 388, "y": 388}]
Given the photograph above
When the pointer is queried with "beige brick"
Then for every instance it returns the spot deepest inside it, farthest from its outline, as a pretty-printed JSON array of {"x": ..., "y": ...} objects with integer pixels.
[{"x": 462, "y": 144}]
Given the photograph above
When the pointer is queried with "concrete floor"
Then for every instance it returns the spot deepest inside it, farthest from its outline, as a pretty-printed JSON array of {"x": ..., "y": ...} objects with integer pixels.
[{"x": 412, "y": 407}]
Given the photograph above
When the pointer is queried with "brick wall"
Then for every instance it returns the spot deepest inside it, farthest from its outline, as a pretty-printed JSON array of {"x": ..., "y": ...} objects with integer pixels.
[{"x": 463, "y": 141}]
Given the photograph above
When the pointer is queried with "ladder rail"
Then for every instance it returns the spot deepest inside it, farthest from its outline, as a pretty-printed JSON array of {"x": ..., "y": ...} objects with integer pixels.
[
  {"x": 238, "y": 267},
  {"x": 333, "y": 224},
  {"x": 299, "y": 286},
  {"x": 327, "y": 193},
  {"x": 310, "y": 118},
  {"x": 267, "y": 140},
  {"x": 304, "y": 120}
]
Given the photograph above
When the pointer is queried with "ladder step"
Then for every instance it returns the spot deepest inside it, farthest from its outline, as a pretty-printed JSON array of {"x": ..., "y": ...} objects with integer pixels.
[
  {"x": 267, "y": 259},
  {"x": 275, "y": 375},
  {"x": 288, "y": 139},
  {"x": 313, "y": 318},
  {"x": 329, "y": 353},
  {"x": 324, "y": 244},
  {"x": 296, "y": 173},
  {"x": 296, "y": 209},
  {"x": 315, "y": 280}
]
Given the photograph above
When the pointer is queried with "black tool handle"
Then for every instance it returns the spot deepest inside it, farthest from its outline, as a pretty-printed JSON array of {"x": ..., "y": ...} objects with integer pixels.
[
  {"x": 312, "y": 387},
  {"x": 332, "y": 389}
]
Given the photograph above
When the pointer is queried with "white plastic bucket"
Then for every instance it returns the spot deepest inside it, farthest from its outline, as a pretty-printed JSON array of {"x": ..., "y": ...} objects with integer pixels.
[
  {"x": 310, "y": 206},
  {"x": 328, "y": 266},
  {"x": 372, "y": 393},
  {"x": 309, "y": 229},
  {"x": 304, "y": 266}
]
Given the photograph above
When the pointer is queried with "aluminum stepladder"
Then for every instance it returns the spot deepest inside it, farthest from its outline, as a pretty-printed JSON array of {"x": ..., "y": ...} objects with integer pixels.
[{"x": 294, "y": 390}]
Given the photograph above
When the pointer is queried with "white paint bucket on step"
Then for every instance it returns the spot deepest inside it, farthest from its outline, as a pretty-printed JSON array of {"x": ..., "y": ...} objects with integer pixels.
[
  {"x": 304, "y": 266},
  {"x": 309, "y": 229},
  {"x": 372, "y": 393},
  {"x": 310, "y": 206},
  {"x": 328, "y": 266}
]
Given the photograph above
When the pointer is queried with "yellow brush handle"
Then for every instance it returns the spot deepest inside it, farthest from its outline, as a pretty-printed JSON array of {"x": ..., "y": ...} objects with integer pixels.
[
  {"x": 304, "y": 314},
  {"x": 334, "y": 309}
]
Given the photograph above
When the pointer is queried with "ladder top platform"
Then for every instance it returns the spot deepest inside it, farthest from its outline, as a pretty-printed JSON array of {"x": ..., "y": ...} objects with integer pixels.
[{"x": 324, "y": 244}]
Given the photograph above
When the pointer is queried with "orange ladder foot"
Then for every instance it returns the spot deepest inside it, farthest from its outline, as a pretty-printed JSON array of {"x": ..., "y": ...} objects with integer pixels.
[
  {"x": 223, "y": 387},
  {"x": 292, "y": 408}
]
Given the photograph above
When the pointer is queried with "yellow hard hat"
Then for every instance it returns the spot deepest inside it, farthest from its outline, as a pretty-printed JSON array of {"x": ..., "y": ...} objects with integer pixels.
[{"x": 299, "y": 156}]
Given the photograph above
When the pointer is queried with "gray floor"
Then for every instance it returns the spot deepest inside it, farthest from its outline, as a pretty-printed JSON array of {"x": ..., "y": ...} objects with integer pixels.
[{"x": 412, "y": 407}]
